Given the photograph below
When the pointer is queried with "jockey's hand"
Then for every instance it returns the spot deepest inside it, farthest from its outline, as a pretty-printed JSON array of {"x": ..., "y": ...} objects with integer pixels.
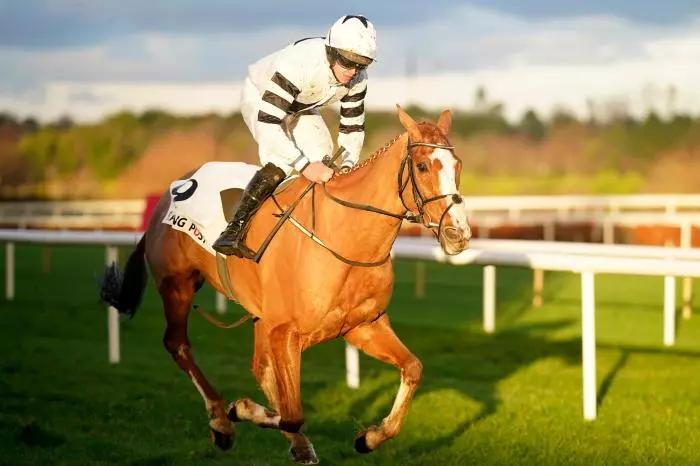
[{"x": 317, "y": 172}]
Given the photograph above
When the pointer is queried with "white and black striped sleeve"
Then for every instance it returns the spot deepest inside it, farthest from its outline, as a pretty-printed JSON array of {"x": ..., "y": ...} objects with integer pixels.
[
  {"x": 281, "y": 90},
  {"x": 351, "y": 133}
]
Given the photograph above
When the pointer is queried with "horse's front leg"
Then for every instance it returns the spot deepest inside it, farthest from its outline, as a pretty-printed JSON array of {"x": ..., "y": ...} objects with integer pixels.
[
  {"x": 377, "y": 339},
  {"x": 276, "y": 366}
]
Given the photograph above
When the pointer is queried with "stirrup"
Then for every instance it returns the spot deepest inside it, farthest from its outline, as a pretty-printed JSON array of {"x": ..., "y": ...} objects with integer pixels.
[
  {"x": 236, "y": 248},
  {"x": 243, "y": 251}
]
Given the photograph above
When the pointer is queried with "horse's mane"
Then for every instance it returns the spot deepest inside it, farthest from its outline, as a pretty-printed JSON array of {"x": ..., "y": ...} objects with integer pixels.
[
  {"x": 386, "y": 146},
  {"x": 373, "y": 156}
]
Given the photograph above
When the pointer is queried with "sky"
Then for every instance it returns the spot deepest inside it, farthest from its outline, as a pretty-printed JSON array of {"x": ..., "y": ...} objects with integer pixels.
[{"x": 88, "y": 58}]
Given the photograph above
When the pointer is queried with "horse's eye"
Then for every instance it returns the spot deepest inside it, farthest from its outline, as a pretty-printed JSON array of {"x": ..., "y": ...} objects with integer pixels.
[{"x": 422, "y": 167}]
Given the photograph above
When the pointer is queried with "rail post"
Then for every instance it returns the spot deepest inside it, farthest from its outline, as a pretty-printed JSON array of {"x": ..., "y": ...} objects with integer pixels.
[
  {"x": 669, "y": 310},
  {"x": 537, "y": 286},
  {"x": 588, "y": 345},
  {"x": 489, "y": 303},
  {"x": 113, "y": 315},
  {"x": 687, "y": 287},
  {"x": 10, "y": 271},
  {"x": 352, "y": 366}
]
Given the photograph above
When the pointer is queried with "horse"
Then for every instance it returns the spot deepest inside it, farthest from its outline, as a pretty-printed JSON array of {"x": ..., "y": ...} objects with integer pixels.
[{"x": 304, "y": 292}]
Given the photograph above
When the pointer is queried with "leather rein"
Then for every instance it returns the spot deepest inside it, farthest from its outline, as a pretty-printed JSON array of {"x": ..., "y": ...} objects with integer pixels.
[{"x": 421, "y": 216}]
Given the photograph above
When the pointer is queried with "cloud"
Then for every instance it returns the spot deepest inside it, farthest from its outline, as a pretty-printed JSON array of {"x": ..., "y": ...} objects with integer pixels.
[
  {"x": 74, "y": 23},
  {"x": 467, "y": 38},
  {"x": 646, "y": 11},
  {"x": 61, "y": 23},
  {"x": 523, "y": 61},
  {"x": 475, "y": 38}
]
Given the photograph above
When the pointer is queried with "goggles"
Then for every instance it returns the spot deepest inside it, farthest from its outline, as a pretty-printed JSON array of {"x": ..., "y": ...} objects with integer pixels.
[{"x": 349, "y": 64}]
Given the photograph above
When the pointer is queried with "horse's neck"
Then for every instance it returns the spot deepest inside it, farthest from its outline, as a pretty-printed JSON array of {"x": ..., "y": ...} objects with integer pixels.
[
  {"x": 376, "y": 181},
  {"x": 374, "y": 184}
]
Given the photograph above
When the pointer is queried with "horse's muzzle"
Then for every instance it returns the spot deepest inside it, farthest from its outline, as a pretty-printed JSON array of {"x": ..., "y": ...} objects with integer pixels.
[{"x": 454, "y": 240}]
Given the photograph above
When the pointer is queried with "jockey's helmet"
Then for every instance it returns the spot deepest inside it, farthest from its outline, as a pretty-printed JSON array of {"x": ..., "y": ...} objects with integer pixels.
[{"x": 352, "y": 38}]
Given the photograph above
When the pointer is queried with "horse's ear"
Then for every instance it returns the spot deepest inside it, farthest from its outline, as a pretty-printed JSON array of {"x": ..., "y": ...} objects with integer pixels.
[
  {"x": 408, "y": 123},
  {"x": 445, "y": 121}
]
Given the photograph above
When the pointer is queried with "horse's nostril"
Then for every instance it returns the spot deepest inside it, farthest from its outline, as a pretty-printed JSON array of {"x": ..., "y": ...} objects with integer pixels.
[{"x": 453, "y": 234}]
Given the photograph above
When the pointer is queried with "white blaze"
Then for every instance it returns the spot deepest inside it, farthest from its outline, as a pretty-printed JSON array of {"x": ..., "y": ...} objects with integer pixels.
[{"x": 448, "y": 185}]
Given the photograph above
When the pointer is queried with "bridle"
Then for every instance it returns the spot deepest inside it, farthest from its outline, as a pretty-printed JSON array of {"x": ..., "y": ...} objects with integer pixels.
[
  {"x": 418, "y": 197},
  {"x": 422, "y": 216}
]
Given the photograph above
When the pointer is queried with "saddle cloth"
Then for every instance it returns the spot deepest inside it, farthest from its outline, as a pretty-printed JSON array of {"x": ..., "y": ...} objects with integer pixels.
[{"x": 201, "y": 205}]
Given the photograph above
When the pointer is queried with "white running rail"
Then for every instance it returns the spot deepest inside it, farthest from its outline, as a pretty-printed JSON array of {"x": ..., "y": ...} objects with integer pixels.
[
  {"x": 488, "y": 211},
  {"x": 583, "y": 258},
  {"x": 118, "y": 214}
]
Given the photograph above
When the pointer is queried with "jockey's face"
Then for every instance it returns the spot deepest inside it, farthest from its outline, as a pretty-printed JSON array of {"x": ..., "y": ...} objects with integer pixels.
[{"x": 342, "y": 74}]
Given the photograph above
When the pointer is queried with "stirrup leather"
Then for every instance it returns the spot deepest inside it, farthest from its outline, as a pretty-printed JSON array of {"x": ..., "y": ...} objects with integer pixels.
[{"x": 261, "y": 186}]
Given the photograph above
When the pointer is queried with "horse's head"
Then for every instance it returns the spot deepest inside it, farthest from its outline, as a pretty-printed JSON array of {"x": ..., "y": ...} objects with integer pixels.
[{"x": 431, "y": 174}]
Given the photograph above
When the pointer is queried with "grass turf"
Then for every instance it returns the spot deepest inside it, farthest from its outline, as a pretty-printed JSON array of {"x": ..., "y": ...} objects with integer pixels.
[{"x": 509, "y": 398}]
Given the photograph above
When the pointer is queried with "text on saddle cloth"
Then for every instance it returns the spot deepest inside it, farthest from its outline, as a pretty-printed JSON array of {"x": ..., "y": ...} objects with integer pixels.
[{"x": 201, "y": 204}]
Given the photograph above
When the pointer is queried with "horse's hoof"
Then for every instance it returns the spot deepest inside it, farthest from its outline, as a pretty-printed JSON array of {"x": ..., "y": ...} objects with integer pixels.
[
  {"x": 222, "y": 440},
  {"x": 303, "y": 455},
  {"x": 361, "y": 443}
]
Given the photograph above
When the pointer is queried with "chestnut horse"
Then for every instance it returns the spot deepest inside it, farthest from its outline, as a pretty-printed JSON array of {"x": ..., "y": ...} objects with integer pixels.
[{"x": 301, "y": 293}]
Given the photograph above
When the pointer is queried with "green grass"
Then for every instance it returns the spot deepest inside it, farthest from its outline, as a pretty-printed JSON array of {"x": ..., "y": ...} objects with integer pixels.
[{"x": 509, "y": 398}]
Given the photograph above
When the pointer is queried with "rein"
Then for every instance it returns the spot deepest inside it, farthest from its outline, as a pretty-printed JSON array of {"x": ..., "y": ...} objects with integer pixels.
[
  {"x": 420, "y": 200},
  {"x": 419, "y": 217}
]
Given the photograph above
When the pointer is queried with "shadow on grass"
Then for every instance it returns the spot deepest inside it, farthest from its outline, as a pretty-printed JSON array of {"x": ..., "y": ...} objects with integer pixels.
[
  {"x": 34, "y": 435},
  {"x": 443, "y": 329},
  {"x": 610, "y": 376},
  {"x": 474, "y": 364}
]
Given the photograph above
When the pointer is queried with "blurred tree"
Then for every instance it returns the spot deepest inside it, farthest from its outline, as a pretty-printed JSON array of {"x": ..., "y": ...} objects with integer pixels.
[
  {"x": 157, "y": 118},
  {"x": 7, "y": 118},
  {"x": 480, "y": 101},
  {"x": 591, "y": 109},
  {"x": 64, "y": 122},
  {"x": 471, "y": 123},
  {"x": 30, "y": 124},
  {"x": 531, "y": 126},
  {"x": 617, "y": 147},
  {"x": 563, "y": 117},
  {"x": 39, "y": 149}
]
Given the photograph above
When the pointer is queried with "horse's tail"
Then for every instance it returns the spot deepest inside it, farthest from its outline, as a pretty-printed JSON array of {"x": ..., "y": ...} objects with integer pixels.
[{"x": 124, "y": 291}]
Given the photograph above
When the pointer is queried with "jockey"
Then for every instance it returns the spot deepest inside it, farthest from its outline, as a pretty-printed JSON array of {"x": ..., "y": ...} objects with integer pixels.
[{"x": 280, "y": 104}]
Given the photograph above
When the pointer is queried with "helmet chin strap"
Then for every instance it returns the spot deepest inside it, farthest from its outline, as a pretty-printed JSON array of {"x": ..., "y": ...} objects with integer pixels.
[{"x": 330, "y": 57}]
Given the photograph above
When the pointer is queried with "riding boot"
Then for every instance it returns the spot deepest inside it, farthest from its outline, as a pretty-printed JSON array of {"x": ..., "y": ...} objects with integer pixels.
[{"x": 260, "y": 187}]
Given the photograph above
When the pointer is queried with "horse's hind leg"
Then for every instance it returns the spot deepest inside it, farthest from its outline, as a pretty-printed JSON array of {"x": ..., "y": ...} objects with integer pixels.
[
  {"x": 377, "y": 339},
  {"x": 301, "y": 449},
  {"x": 177, "y": 293}
]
